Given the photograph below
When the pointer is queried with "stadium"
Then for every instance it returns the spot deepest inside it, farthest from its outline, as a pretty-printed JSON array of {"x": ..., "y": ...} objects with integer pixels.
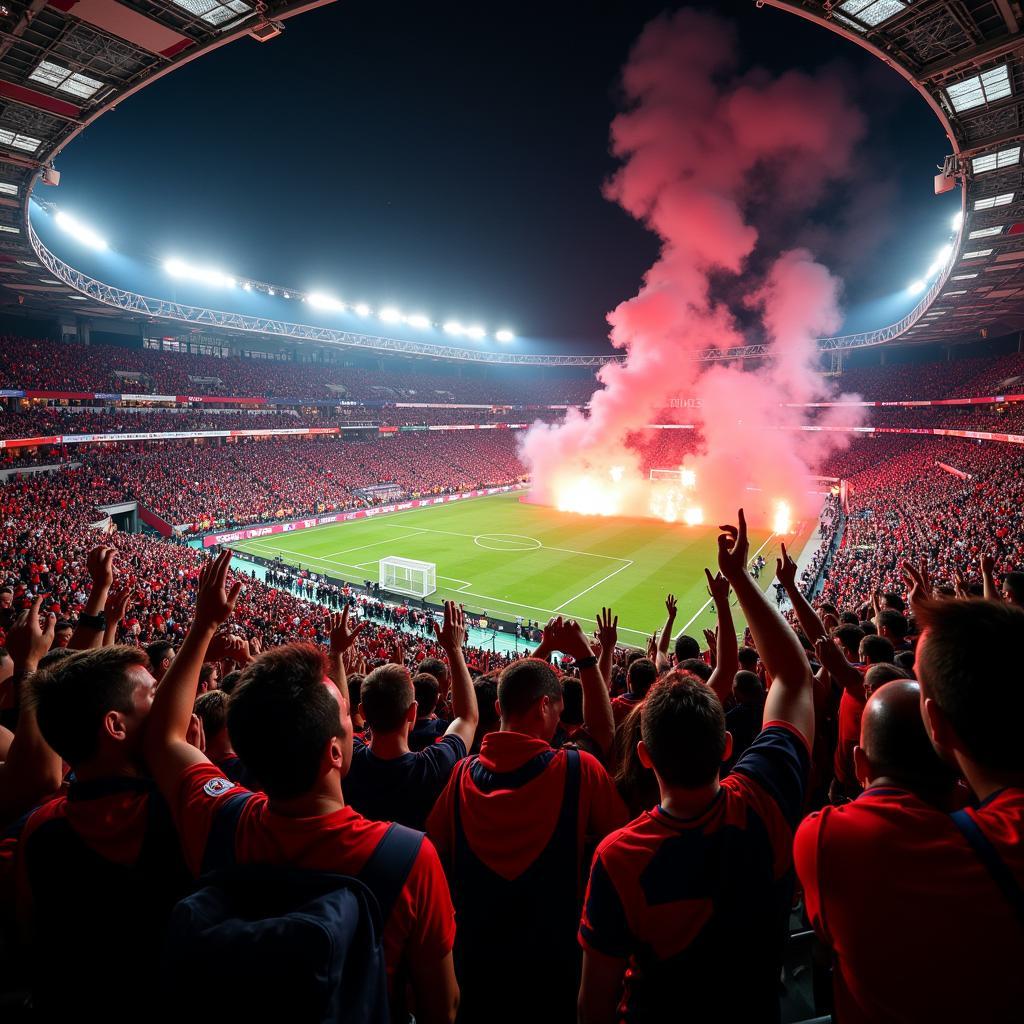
[{"x": 308, "y": 529}]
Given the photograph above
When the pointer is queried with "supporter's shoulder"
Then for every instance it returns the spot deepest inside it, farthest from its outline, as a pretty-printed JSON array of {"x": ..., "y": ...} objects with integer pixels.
[
  {"x": 618, "y": 843},
  {"x": 50, "y": 810},
  {"x": 590, "y": 767}
]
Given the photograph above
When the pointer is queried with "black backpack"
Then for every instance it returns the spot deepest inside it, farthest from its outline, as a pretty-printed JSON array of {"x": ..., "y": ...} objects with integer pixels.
[{"x": 258, "y": 942}]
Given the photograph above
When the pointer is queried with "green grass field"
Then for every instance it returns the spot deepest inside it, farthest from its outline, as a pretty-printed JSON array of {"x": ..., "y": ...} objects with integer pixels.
[{"x": 499, "y": 555}]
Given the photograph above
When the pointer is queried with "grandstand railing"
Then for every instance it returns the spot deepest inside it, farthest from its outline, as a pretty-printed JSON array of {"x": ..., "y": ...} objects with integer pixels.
[{"x": 110, "y": 295}]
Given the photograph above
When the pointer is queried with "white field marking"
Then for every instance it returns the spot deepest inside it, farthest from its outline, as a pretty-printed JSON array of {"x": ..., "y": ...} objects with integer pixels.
[
  {"x": 603, "y": 579},
  {"x": 481, "y": 537},
  {"x": 710, "y": 599},
  {"x": 348, "y": 551},
  {"x": 473, "y": 536},
  {"x": 461, "y": 590}
]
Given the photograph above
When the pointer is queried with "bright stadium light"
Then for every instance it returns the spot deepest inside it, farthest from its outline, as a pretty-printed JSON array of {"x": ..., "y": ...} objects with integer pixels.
[
  {"x": 455, "y": 328},
  {"x": 286, "y": 295},
  {"x": 418, "y": 320},
  {"x": 205, "y": 275},
  {"x": 270, "y": 291},
  {"x": 390, "y": 315},
  {"x": 362, "y": 309},
  {"x": 916, "y": 287},
  {"x": 504, "y": 335},
  {"x": 79, "y": 232},
  {"x": 476, "y": 332},
  {"x": 320, "y": 301},
  {"x": 958, "y": 220},
  {"x": 246, "y": 287}
]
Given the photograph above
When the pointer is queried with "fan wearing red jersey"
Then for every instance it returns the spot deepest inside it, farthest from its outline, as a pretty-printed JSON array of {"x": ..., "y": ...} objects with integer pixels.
[
  {"x": 290, "y": 725},
  {"x": 676, "y": 892},
  {"x": 939, "y": 896}
]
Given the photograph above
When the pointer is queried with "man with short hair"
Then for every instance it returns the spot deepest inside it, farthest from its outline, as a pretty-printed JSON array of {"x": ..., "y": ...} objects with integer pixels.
[
  {"x": 62, "y": 633},
  {"x": 110, "y": 838},
  {"x": 160, "y": 654},
  {"x": 640, "y": 677},
  {"x": 387, "y": 781},
  {"x": 892, "y": 625},
  {"x": 674, "y": 894},
  {"x": 212, "y": 711},
  {"x": 289, "y": 722},
  {"x": 512, "y": 825},
  {"x": 938, "y": 899},
  {"x": 428, "y": 728}
]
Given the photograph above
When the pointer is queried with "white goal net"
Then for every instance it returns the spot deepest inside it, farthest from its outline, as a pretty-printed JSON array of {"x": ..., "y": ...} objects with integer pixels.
[{"x": 407, "y": 576}]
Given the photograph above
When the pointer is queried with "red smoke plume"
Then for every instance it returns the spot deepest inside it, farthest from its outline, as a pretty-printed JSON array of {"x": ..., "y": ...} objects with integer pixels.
[{"x": 703, "y": 150}]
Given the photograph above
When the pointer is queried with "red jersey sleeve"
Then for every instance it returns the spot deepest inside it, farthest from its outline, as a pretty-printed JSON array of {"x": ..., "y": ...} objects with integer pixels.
[
  {"x": 601, "y": 808},
  {"x": 441, "y": 821},
  {"x": 428, "y": 905},
  {"x": 806, "y": 847},
  {"x": 201, "y": 787}
]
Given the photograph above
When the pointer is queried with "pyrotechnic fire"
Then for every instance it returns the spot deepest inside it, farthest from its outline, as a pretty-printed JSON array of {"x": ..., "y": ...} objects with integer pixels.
[
  {"x": 616, "y": 473},
  {"x": 587, "y": 496},
  {"x": 783, "y": 521},
  {"x": 688, "y": 477},
  {"x": 693, "y": 516}
]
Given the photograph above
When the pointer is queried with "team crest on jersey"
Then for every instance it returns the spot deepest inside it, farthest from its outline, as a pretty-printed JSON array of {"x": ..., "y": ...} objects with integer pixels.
[{"x": 217, "y": 786}]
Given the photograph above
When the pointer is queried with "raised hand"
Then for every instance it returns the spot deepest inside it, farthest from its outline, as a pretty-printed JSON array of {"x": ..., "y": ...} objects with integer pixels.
[
  {"x": 652, "y": 646},
  {"x": 718, "y": 587},
  {"x": 785, "y": 569},
  {"x": 116, "y": 605},
  {"x": 733, "y": 549},
  {"x": 342, "y": 633},
  {"x": 960, "y": 584},
  {"x": 670, "y": 605},
  {"x": 569, "y": 638},
  {"x": 988, "y": 562},
  {"x": 100, "y": 564},
  {"x": 918, "y": 582},
  {"x": 451, "y": 634},
  {"x": 228, "y": 647},
  {"x": 28, "y": 640},
  {"x": 214, "y": 601},
  {"x": 607, "y": 629}
]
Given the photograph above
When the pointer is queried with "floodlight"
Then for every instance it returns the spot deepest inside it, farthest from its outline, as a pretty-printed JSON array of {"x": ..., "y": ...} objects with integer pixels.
[
  {"x": 320, "y": 301},
  {"x": 390, "y": 315},
  {"x": 286, "y": 295},
  {"x": 175, "y": 268},
  {"x": 270, "y": 291},
  {"x": 79, "y": 232},
  {"x": 916, "y": 287},
  {"x": 362, "y": 309},
  {"x": 958, "y": 220},
  {"x": 476, "y": 332},
  {"x": 418, "y": 320},
  {"x": 246, "y": 287},
  {"x": 504, "y": 335},
  {"x": 454, "y": 327}
]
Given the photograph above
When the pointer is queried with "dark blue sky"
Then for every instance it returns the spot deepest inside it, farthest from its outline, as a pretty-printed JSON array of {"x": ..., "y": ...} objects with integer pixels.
[{"x": 449, "y": 157}]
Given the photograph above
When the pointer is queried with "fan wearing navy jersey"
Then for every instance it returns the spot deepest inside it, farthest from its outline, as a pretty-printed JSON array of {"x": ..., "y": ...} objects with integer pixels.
[
  {"x": 387, "y": 781},
  {"x": 289, "y": 722},
  {"x": 934, "y": 928},
  {"x": 427, "y": 728},
  {"x": 676, "y": 894},
  {"x": 513, "y": 825}
]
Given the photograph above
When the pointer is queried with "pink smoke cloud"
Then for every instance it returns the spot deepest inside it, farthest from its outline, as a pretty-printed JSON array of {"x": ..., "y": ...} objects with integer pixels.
[{"x": 703, "y": 150}]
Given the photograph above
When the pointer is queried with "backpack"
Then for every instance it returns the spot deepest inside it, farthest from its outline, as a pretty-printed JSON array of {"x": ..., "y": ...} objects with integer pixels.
[{"x": 259, "y": 942}]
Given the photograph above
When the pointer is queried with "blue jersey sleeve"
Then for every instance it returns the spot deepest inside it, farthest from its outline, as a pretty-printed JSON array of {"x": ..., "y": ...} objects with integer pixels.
[
  {"x": 779, "y": 762},
  {"x": 603, "y": 926}
]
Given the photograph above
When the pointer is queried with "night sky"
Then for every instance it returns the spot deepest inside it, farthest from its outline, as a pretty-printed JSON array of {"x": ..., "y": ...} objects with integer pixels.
[{"x": 448, "y": 157}]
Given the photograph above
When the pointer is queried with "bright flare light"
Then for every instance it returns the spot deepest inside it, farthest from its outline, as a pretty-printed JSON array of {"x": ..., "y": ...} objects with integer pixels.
[
  {"x": 783, "y": 520},
  {"x": 693, "y": 516},
  {"x": 958, "y": 220},
  {"x": 476, "y": 332},
  {"x": 504, "y": 335},
  {"x": 320, "y": 301},
  {"x": 688, "y": 478},
  {"x": 941, "y": 259},
  {"x": 390, "y": 315},
  {"x": 455, "y": 328},
  {"x": 916, "y": 287},
  {"x": 80, "y": 232},
  {"x": 418, "y": 320},
  {"x": 362, "y": 309},
  {"x": 616, "y": 473},
  {"x": 586, "y": 496}
]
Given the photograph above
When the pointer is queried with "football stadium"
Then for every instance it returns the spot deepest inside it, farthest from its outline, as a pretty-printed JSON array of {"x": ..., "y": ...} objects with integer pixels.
[{"x": 511, "y": 514}]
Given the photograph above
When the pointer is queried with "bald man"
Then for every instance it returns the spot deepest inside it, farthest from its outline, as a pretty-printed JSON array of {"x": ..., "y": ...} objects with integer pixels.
[{"x": 892, "y": 888}]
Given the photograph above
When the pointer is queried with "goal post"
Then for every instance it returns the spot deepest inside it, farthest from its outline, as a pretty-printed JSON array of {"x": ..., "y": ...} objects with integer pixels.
[{"x": 407, "y": 576}]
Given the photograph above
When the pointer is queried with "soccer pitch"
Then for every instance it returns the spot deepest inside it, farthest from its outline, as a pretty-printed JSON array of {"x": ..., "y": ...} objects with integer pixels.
[{"x": 502, "y": 556}]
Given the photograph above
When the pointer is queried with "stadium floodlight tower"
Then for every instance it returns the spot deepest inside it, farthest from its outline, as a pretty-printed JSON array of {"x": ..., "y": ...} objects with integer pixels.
[{"x": 407, "y": 576}]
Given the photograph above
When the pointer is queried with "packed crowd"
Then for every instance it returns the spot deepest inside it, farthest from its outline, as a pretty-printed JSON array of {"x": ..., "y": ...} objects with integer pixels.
[
  {"x": 43, "y": 364},
  {"x": 641, "y": 825}
]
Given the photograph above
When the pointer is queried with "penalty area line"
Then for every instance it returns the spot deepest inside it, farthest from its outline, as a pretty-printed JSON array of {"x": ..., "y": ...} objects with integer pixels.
[{"x": 604, "y": 579}]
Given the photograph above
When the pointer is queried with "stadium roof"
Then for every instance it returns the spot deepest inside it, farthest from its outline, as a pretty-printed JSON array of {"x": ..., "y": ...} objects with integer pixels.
[
  {"x": 66, "y": 62},
  {"x": 966, "y": 58}
]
